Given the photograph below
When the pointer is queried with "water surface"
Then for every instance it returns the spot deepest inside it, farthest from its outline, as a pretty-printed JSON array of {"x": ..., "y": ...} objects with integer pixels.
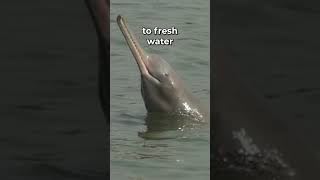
[{"x": 170, "y": 154}]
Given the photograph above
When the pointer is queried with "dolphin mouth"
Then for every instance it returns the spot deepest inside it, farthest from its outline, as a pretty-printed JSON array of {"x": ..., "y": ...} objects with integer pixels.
[{"x": 137, "y": 51}]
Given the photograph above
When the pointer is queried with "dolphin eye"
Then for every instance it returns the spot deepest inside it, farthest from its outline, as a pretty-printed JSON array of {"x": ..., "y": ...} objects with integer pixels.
[{"x": 166, "y": 74}]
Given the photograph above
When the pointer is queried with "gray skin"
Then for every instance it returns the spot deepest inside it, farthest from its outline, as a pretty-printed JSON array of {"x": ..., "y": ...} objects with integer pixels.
[{"x": 161, "y": 87}]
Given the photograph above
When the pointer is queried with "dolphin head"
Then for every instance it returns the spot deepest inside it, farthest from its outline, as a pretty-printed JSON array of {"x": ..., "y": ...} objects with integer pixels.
[{"x": 160, "y": 85}]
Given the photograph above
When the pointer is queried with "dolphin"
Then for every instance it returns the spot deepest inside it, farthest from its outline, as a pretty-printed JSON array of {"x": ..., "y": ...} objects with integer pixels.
[
  {"x": 161, "y": 87},
  {"x": 251, "y": 141}
]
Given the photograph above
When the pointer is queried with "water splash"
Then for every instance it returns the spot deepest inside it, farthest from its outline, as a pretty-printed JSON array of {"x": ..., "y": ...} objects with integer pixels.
[{"x": 250, "y": 160}]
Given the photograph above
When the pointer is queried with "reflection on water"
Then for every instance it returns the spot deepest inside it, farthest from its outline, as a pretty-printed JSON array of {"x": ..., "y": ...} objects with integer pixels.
[{"x": 166, "y": 126}]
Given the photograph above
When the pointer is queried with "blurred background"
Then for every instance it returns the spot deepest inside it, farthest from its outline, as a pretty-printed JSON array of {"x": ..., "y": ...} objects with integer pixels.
[
  {"x": 275, "y": 44},
  {"x": 51, "y": 124}
]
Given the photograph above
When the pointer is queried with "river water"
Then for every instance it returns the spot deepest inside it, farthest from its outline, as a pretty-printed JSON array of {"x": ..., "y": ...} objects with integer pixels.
[
  {"x": 183, "y": 155},
  {"x": 52, "y": 126}
]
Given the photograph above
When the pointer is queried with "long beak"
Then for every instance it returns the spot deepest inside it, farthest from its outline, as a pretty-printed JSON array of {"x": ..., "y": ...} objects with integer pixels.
[{"x": 137, "y": 51}]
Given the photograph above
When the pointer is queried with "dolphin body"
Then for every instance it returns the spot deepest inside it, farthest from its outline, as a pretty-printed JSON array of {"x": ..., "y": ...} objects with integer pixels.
[
  {"x": 250, "y": 141},
  {"x": 235, "y": 107},
  {"x": 161, "y": 87}
]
